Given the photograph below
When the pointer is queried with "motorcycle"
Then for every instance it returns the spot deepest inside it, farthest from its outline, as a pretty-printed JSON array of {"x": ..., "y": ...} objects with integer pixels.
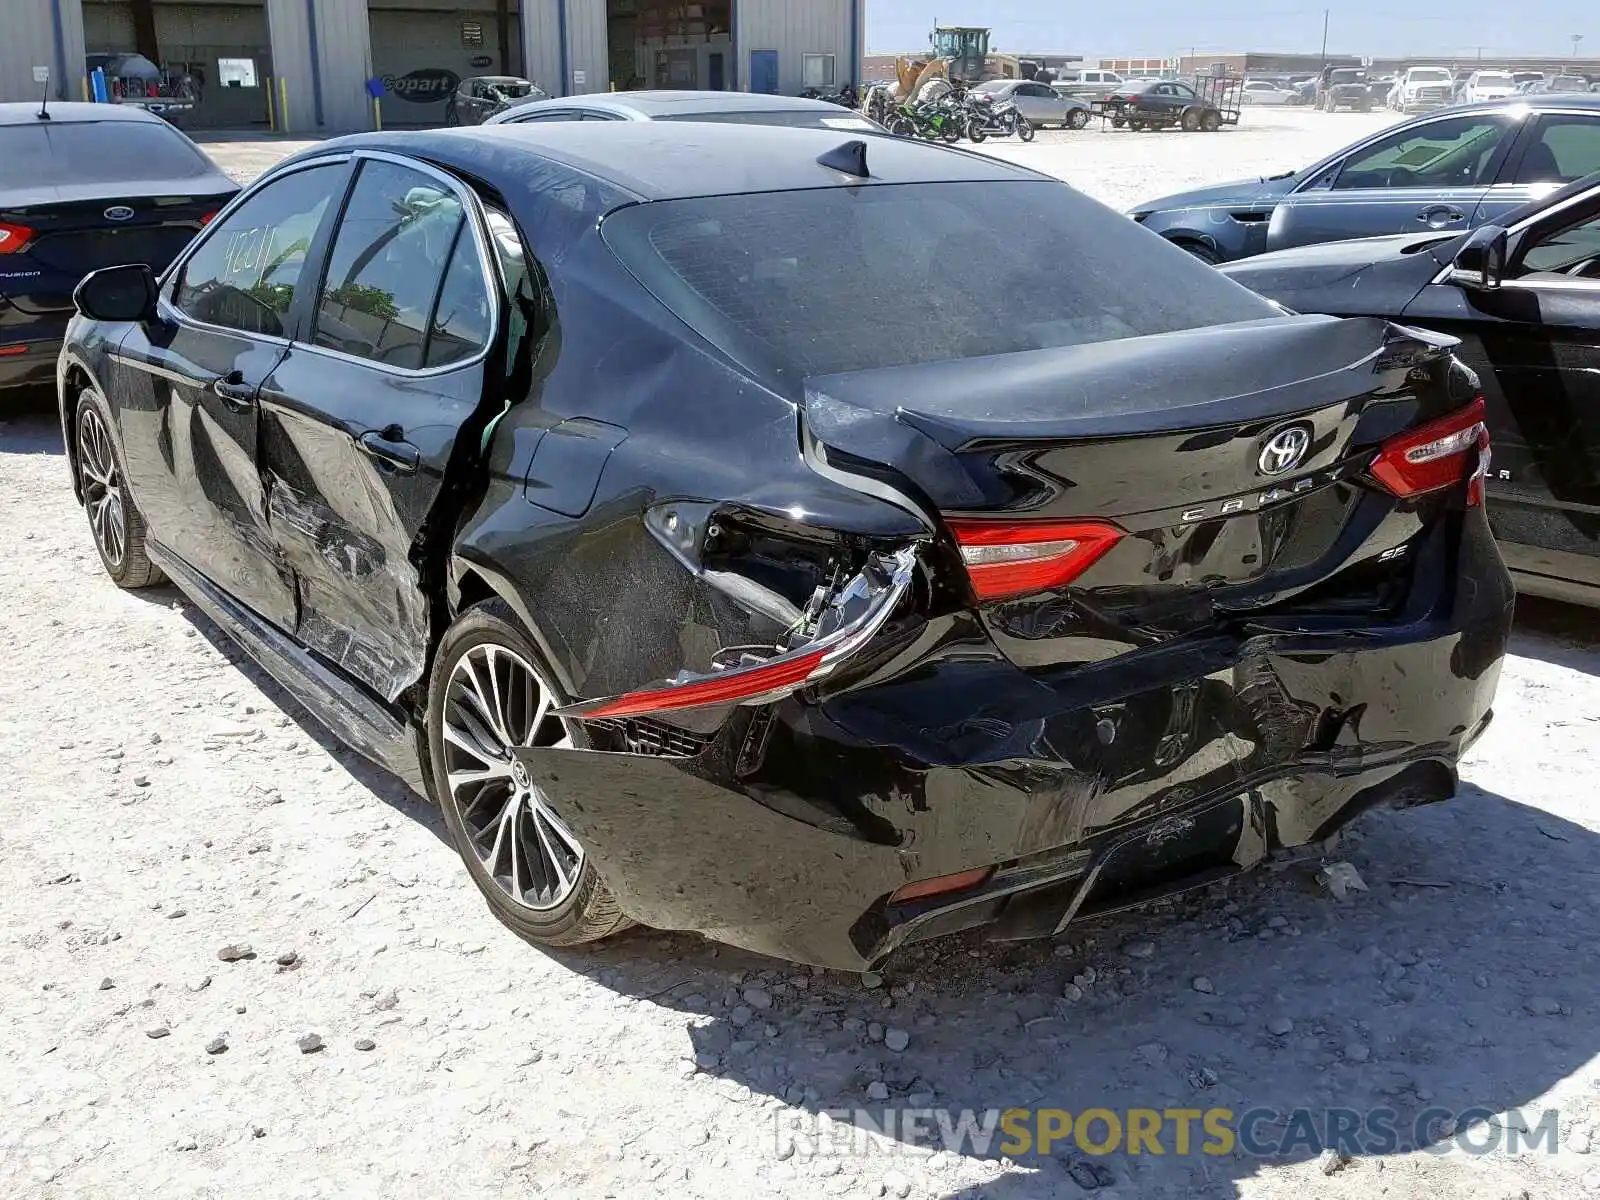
[
  {"x": 984, "y": 119},
  {"x": 940, "y": 121}
]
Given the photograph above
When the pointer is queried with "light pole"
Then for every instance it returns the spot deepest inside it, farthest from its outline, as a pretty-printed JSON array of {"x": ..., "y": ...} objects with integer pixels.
[
  {"x": 1576, "y": 38},
  {"x": 1325, "y": 39}
]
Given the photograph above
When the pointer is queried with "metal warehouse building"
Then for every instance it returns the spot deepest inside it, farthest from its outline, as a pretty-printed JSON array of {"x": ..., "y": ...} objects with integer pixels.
[{"x": 305, "y": 64}]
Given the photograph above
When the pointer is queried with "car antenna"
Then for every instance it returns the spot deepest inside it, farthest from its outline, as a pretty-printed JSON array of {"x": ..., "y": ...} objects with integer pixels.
[
  {"x": 44, "y": 101},
  {"x": 850, "y": 158}
]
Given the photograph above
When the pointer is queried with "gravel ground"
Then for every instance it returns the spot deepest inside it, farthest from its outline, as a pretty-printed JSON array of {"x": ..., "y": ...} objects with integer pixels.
[{"x": 169, "y": 806}]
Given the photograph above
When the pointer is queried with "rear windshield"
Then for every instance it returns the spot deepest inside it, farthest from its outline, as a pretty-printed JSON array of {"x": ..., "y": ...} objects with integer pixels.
[
  {"x": 96, "y": 152},
  {"x": 793, "y": 284},
  {"x": 1426, "y": 76},
  {"x": 801, "y": 118},
  {"x": 1494, "y": 77}
]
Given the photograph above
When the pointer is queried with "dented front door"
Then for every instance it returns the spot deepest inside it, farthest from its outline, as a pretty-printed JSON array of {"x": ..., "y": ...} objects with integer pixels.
[{"x": 360, "y": 420}]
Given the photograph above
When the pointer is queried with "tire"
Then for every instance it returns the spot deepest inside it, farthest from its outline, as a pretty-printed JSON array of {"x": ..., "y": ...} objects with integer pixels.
[
  {"x": 1078, "y": 118},
  {"x": 1025, "y": 129},
  {"x": 1135, "y": 126},
  {"x": 975, "y": 130},
  {"x": 1201, "y": 251},
  {"x": 1190, "y": 121},
  {"x": 565, "y": 907},
  {"x": 901, "y": 126},
  {"x": 452, "y": 118},
  {"x": 1210, "y": 121},
  {"x": 115, "y": 522},
  {"x": 1118, "y": 122},
  {"x": 950, "y": 132}
]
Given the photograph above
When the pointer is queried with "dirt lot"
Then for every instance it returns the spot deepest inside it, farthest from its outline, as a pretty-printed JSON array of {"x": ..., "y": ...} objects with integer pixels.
[{"x": 165, "y": 801}]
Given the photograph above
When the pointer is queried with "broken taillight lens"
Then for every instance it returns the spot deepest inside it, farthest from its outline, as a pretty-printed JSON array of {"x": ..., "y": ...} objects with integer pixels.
[
  {"x": 731, "y": 687},
  {"x": 1015, "y": 558},
  {"x": 1436, "y": 455}
]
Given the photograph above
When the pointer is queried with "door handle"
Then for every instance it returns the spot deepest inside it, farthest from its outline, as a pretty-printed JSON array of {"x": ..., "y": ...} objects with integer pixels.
[
  {"x": 1437, "y": 216},
  {"x": 391, "y": 451},
  {"x": 233, "y": 391}
]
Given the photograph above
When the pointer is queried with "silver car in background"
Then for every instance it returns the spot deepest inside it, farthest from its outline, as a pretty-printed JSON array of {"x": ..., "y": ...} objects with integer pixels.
[{"x": 1040, "y": 103}]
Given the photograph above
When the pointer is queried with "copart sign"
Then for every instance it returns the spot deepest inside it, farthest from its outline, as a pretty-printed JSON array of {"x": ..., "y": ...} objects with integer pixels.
[{"x": 426, "y": 85}]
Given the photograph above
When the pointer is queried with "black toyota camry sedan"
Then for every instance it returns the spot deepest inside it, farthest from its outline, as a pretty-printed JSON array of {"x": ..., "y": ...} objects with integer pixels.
[
  {"x": 1523, "y": 297},
  {"x": 601, "y": 480}
]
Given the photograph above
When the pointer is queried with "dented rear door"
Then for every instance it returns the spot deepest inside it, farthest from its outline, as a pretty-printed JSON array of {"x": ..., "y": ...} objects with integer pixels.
[{"x": 361, "y": 420}]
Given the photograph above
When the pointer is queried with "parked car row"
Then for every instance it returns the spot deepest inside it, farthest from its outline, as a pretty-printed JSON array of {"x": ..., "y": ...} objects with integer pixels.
[{"x": 1482, "y": 222}]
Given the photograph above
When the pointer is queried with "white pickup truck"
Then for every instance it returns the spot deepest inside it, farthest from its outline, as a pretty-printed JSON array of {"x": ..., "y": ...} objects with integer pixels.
[{"x": 1422, "y": 89}]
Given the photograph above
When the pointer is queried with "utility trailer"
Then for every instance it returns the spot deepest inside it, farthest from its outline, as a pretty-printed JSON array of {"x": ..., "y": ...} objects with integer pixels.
[{"x": 1203, "y": 104}]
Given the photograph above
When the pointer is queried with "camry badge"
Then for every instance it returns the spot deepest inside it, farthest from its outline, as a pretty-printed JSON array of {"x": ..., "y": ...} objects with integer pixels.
[
  {"x": 1285, "y": 450},
  {"x": 119, "y": 212}
]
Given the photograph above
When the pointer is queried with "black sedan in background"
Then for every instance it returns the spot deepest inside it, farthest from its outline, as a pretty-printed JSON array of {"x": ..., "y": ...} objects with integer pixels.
[
  {"x": 1445, "y": 172},
  {"x": 598, "y": 477},
  {"x": 86, "y": 186},
  {"x": 1524, "y": 299}
]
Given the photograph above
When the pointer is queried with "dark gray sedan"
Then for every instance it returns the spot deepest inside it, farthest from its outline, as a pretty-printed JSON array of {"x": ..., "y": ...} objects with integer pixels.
[{"x": 1445, "y": 172}]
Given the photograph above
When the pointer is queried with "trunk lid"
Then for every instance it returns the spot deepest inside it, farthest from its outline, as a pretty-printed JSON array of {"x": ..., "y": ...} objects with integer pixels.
[
  {"x": 75, "y": 230},
  {"x": 1232, "y": 459}
]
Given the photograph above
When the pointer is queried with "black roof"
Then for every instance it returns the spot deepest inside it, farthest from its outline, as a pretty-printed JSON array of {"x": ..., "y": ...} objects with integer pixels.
[
  {"x": 27, "y": 112},
  {"x": 677, "y": 159}
]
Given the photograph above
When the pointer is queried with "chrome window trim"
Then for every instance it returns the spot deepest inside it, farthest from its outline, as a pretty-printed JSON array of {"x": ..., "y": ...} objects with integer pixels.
[
  {"x": 472, "y": 211},
  {"x": 167, "y": 286}
]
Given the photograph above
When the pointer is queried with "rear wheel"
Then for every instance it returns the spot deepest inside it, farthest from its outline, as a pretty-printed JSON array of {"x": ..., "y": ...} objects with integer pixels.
[
  {"x": 1078, "y": 118},
  {"x": 489, "y": 694},
  {"x": 1210, "y": 121},
  {"x": 1190, "y": 120},
  {"x": 1201, "y": 251},
  {"x": 975, "y": 130},
  {"x": 950, "y": 131},
  {"x": 1025, "y": 129},
  {"x": 114, "y": 519},
  {"x": 1135, "y": 126}
]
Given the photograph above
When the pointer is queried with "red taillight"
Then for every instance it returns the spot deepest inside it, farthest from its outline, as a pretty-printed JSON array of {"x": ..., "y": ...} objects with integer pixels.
[
  {"x": 731, "y": 687},
  {"x": 13, "y": 351},
  {"x": 1016, "y": 558},
  {"x": 13, "y": 237},
  {"x": 1435, "y": 455},
  {"x": 207, "y": 218}
]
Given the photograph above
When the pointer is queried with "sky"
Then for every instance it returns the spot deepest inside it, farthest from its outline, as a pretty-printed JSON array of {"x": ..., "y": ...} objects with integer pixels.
[{"x": 1172, "y": 27}]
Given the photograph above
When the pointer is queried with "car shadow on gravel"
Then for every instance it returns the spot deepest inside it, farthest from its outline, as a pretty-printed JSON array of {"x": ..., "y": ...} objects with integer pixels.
[
  {"x": 1458, "y": 983},
  {"x": 28, "y": 423},
  {"x": 385, "y": 786},
  {"x": 1563, "y": 635}
]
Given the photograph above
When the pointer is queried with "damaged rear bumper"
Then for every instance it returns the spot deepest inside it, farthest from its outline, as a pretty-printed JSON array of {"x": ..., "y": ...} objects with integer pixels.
[{"x": 789, "y": 828}]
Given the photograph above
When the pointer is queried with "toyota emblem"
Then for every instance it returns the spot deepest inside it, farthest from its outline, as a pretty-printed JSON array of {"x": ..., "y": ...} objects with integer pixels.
[
  {"x": 1285, "y": 450},
  {"x": 119, "y": 212}
]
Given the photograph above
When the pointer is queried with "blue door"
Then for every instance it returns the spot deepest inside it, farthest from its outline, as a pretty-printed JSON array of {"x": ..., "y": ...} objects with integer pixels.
[{"x": 764, "y": 71}]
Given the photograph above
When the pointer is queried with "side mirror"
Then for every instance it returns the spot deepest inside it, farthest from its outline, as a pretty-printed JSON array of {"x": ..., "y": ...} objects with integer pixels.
[
  {"x": 117, "y": 294},
  {"x": 1481, "y": 261}
]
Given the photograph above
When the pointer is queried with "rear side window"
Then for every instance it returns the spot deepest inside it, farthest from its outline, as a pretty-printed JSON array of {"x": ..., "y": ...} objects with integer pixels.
[
  {"x": 387, "y": 270},
  {"x": 1566, "y": 148},
  {"x": 838, "y": 279},
  {"x": 97, "y": 152}
]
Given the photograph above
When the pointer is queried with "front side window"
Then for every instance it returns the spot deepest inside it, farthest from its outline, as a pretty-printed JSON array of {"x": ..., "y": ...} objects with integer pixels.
[
  {"x": 1457, "y": 152},
  {"x": 1572, "y": 250},
  {"x": 816, "y": 70},
  {"x": 387, "y": 266},
  {"x": 246, "y": 274},
  {"x": 1566, "y": 147}
]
